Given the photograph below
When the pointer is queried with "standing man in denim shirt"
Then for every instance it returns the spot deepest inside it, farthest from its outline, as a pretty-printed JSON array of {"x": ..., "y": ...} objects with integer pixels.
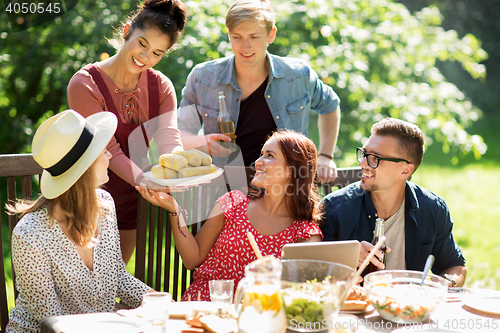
[
  {"x": 417, "y": 221},
  {"x": 264, "y": 92}
]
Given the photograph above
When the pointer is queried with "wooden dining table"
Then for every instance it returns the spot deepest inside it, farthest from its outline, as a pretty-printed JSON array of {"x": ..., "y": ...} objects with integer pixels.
[{"x": 473, "y": 310}]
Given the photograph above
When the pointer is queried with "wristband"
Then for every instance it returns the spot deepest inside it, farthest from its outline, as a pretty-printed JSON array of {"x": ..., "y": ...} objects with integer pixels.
[
  {"x": 326, "y": 155},
  {"x": 179, "y": 227},
  {"x": 173, "y": 213}
]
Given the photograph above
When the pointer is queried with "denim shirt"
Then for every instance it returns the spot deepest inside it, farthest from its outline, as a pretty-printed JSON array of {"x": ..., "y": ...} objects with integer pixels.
[
  {"x": 293, "y": 89},
  {"x": 350, "y": 214}
]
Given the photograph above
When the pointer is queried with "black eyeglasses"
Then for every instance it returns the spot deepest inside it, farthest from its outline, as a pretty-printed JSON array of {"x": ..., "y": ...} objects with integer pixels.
[{"x": 374, "y": 160}]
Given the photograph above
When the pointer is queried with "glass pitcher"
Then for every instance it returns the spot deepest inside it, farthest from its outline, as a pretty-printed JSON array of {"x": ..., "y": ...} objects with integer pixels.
[{"x": 259, "y": 291}]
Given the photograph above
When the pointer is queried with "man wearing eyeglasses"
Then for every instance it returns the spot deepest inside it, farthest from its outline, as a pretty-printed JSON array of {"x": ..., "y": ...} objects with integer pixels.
[{"x": 417, "y": 222}]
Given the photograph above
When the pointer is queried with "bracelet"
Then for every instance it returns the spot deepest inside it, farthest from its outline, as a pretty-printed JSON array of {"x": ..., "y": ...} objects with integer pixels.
[
  {"x": 179, "y": 227},
  {"x": 175, "y": 213},
  {"x": 326, "y": 155}
]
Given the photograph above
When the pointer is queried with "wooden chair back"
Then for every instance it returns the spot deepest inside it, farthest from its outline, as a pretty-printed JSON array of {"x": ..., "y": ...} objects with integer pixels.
[{"x": 17, "y": 170}]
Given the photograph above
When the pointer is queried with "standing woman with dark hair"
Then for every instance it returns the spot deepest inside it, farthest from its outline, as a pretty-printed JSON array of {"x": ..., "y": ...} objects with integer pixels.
[
  {"x": 285, "y": 211},
  {"x": 65, "y": 249},
  {"x": 143, "y": 99}
]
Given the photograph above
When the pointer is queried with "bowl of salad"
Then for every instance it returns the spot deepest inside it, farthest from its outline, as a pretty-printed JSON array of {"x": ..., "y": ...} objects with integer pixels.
[
  {"x": 397, "y": 295},
  {"x": 312, "y": 292}
]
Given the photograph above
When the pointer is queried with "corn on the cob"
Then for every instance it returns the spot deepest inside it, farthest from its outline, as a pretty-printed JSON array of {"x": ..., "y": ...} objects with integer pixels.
[
  {"x": 159, "y": 171},
  {"x": 205, "y": 158},
  {"x": 197, "y": 171},
  {"x": 172, "y": 161},
  {"x": 192, "y": 157}
]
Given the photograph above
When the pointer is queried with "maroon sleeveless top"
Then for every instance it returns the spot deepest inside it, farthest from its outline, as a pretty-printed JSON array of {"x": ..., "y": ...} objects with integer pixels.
[{"x": 125, "y": 195}]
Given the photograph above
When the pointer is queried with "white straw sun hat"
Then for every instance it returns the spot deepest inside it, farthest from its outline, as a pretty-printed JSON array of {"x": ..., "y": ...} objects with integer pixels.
[{"x": 67, "y": 144}]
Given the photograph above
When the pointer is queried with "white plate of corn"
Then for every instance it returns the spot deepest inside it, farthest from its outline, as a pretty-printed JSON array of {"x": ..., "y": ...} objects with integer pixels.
[
  {"x": 190, "y": 167},
  {"x": 194, "y": 180}
]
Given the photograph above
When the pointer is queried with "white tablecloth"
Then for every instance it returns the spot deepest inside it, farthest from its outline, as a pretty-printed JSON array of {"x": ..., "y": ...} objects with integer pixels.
[{"x": 448, "y": 317}]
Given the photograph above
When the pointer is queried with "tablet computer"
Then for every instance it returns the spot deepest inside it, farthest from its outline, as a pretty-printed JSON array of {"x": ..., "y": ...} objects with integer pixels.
[{"x": 342, "y": 252}]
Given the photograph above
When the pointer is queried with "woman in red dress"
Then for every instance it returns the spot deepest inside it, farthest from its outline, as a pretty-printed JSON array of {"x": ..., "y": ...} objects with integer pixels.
[{"x": 285, "y": 210}]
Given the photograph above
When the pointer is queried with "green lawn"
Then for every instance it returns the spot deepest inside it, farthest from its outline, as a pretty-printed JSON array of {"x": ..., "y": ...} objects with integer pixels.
[
  {"x": 471, "y": 191},
  {"x": 474, "y": 201}
]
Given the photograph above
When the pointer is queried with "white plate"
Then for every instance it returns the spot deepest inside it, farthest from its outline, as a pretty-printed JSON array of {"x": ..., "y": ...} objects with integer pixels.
[
  {"x": 100, "y": 326},
  {"x": 110, "y": 326},
  {"x": 421, "y": 328},
  {"x": 486, "y": 305},
  {"x": 307, "y": 330},
  {"x": 196, "y": 180}
]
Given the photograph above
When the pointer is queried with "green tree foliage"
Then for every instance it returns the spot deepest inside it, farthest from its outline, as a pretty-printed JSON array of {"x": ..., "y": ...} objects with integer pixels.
[
  {"x": 377, "y": 56},
  {"x": 481, "y": 19},
  {"x": 36, "y": 65}
]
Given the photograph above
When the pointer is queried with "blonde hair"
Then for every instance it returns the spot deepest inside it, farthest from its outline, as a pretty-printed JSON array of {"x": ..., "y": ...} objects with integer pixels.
[
  {"x": 242, "y": 11},
  {"x": 79, "y": 204}
]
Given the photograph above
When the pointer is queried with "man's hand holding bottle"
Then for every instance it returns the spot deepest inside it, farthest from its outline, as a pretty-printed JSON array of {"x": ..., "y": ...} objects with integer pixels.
[
  {"x": 365, "y": 249},
  {"x": 214, "y": 147}
]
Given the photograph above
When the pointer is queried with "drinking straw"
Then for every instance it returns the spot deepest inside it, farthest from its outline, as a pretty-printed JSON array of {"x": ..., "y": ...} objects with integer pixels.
[
  {"x": 368, "y": 258},
  {"x": 255, "y": 247}
]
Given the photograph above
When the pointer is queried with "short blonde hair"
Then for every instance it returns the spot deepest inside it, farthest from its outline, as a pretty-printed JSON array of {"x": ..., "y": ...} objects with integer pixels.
[{"x": 260, "y": 11}]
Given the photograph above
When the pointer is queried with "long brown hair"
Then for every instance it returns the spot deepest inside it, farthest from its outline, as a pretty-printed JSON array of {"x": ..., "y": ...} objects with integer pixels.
[
  {"x": 302, "y": 196},
  {"x": 80, "y": 205}
]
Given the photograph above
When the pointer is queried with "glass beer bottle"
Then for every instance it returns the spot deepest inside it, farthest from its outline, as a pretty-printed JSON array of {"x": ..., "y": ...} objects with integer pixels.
[
  {"x": 226, "y": 124},
  {"x": 377, "y": 234}
]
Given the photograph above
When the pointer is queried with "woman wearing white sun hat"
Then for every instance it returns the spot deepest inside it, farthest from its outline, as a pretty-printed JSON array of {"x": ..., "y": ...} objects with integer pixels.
[{"x": 65, "y": 248}]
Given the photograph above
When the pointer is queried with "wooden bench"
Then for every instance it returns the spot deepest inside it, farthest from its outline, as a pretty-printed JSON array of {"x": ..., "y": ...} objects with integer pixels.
[{"x": 157, "y": 262}]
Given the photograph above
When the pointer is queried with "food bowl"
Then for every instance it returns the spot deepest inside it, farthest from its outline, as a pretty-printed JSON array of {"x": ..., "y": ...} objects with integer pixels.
[
  {"x": 313, "y": 291},
  {"x": 397, "y": 296}
]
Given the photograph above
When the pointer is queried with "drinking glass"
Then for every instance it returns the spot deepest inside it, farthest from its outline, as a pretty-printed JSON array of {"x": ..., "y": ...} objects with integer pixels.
[
  {"x": 155, "y": 306},
  {"x": 221, "y": 290}
]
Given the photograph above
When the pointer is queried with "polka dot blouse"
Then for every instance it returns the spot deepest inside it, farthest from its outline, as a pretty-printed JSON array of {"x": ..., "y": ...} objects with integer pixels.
[
  {"x": 53, "y": 280},
  {"x": 232, "y": 250}
]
